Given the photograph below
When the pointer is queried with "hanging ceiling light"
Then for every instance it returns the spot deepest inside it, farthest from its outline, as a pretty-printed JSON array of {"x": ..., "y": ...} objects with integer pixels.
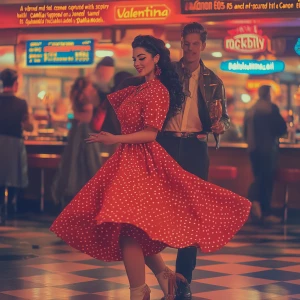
[
  {"x": 217, "y": 54},
  {"x": 103, "y": 53},
  {"x": 246, "y": 98}
]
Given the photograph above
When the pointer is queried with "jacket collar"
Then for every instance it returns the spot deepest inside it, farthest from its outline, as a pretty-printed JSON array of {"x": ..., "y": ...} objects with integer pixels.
[
  {"x": 203, "y": 69},
  {"x": 7, "y": 94}
]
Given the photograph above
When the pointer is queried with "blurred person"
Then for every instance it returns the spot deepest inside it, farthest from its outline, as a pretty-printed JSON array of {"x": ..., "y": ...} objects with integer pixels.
[
  {"x": 104, "y": 117},
  {"x": 79, "y": 162},
  {"x": 104, "y": 73},
  {"x": 233, "y": 134},
  {"x": 14, "y": 118},
  {"x": 141, "y": 200},
  {"x": 59, "y": 112},
  {"x": 184, "y": 136},
  {"x": 263, "y": 125},
  {"x": 119, "y": 78}
]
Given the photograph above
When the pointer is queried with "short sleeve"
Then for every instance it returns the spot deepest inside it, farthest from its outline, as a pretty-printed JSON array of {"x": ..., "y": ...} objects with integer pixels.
[
  {"x": 131, "y": 81},
  {"x": 156, "y": 107},
  {"x": 117, "y": 98}
]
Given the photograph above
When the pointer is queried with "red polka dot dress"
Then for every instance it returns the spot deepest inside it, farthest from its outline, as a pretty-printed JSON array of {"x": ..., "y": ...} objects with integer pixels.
[{"x": 143, "y": 193}]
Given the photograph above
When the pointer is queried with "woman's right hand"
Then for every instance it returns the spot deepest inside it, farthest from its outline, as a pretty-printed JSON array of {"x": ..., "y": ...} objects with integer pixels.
[{"x": 102, "y": 137}]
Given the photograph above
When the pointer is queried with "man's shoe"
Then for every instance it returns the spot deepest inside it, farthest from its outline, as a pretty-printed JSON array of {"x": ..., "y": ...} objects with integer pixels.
[
  {"x": 272, "y": 220},
  {"x": 183, "y": 291}
]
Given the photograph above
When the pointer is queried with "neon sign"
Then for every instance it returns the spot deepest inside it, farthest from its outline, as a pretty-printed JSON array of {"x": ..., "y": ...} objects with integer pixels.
[
  {"x": 245, "y": 39},
  {"x": 60, "y": 52},
  {"x": 253, "y": 67},
  {"x": 204, "y": 7},
  {"x": 297, "y": 47},
  {"x": 141, "y": 12},
  {"x": 86, "y": 13}
]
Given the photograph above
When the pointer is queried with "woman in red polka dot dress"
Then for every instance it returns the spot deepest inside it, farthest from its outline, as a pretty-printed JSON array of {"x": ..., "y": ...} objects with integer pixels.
[{"x": 141, "y": 200}]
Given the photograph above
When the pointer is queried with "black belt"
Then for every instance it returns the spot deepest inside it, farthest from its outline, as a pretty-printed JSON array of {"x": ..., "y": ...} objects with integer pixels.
[{"x": 201, "y": 136}]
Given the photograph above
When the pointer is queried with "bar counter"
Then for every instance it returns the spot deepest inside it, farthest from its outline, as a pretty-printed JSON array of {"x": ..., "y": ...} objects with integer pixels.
[
  {"x": 44, "y": 143},
  {"x": 44, "y": 146},
  {"x": 236, "y": 154},
  {"x": 245, "y": 146},
  {"x": 229, "y": 154}
]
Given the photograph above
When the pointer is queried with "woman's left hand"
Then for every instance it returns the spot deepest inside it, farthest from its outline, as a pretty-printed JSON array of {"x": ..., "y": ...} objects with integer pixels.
[{"x": 102, "y": 137}]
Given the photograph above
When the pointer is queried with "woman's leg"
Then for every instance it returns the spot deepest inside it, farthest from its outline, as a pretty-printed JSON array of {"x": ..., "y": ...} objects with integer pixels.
[
  {"x": 134, "y": 263},
  {"x": 166, "y": 278},
  {"x": 160, "y": 270},
  {"x": 155, "y": 263}
]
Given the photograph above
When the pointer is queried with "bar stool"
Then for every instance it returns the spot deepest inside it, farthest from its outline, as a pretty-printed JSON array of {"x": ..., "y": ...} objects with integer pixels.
[
  {"x": 43, "y": 161},
  {"x": 287, "y": 176},
  {"x": 223, "y": 172},
  {"x": 4, "y": 214},
  {"x": 14, "y": 202}
]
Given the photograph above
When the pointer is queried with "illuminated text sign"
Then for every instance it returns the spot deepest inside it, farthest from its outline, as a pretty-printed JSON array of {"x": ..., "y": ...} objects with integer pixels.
[
  {"x": 88, "y": 14},
  {"x": 140, "y": 12},
  {"x": 60, "y": 52},
  {"x": 245, "y": 39},
  {"x": 253, "y": 67},
  {"x": 237, "y": 6}
]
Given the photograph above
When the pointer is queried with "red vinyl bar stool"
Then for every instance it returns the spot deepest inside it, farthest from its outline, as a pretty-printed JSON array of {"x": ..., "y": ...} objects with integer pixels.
[
  {"x": 287, "y": 176},
  {"x": 223, "y": 172},
  {"x": 43, "y": 161}
]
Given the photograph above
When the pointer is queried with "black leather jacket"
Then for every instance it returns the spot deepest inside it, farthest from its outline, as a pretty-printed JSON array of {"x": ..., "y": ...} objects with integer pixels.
[{"x": 211, "y": 88}]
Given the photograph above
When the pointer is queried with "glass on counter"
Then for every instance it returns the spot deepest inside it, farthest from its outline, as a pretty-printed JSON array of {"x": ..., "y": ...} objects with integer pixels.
[{"x": 48, "y": 125}]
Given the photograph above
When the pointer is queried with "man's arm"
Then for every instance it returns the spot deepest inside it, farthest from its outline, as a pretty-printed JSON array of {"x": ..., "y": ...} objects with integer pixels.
[
  {"x": 220, "y": 95},
  {"x": 225, "y": 117},
  {"x": 279, "y": 124},
  {"x": 26, "y": 123}
]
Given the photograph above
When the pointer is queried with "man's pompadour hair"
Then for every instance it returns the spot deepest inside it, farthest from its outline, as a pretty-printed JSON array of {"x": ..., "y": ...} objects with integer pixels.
[{"x": 194, "y": 28}]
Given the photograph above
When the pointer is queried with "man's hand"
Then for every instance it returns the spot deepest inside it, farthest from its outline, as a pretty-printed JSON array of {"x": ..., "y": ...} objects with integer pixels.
[
  {"x": 218, "y": 128},
  {"x": 102, "y": 137}
]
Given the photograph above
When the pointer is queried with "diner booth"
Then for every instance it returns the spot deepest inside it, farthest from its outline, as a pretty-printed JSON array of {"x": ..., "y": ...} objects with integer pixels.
[{"x": 52, "y": 43}]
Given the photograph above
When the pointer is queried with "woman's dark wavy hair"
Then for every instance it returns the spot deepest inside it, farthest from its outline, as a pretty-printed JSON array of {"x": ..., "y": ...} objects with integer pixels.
[
  {"x": 168, "y": 77},
  {"x": 76, "y": 93}
]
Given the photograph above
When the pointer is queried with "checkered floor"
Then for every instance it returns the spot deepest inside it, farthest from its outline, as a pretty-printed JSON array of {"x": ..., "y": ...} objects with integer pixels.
[{"x": 260, "y": 263}]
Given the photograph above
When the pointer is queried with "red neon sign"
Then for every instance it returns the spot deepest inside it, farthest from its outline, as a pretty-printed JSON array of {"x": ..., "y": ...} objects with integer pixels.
[{"x": 246, "y": 39}]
